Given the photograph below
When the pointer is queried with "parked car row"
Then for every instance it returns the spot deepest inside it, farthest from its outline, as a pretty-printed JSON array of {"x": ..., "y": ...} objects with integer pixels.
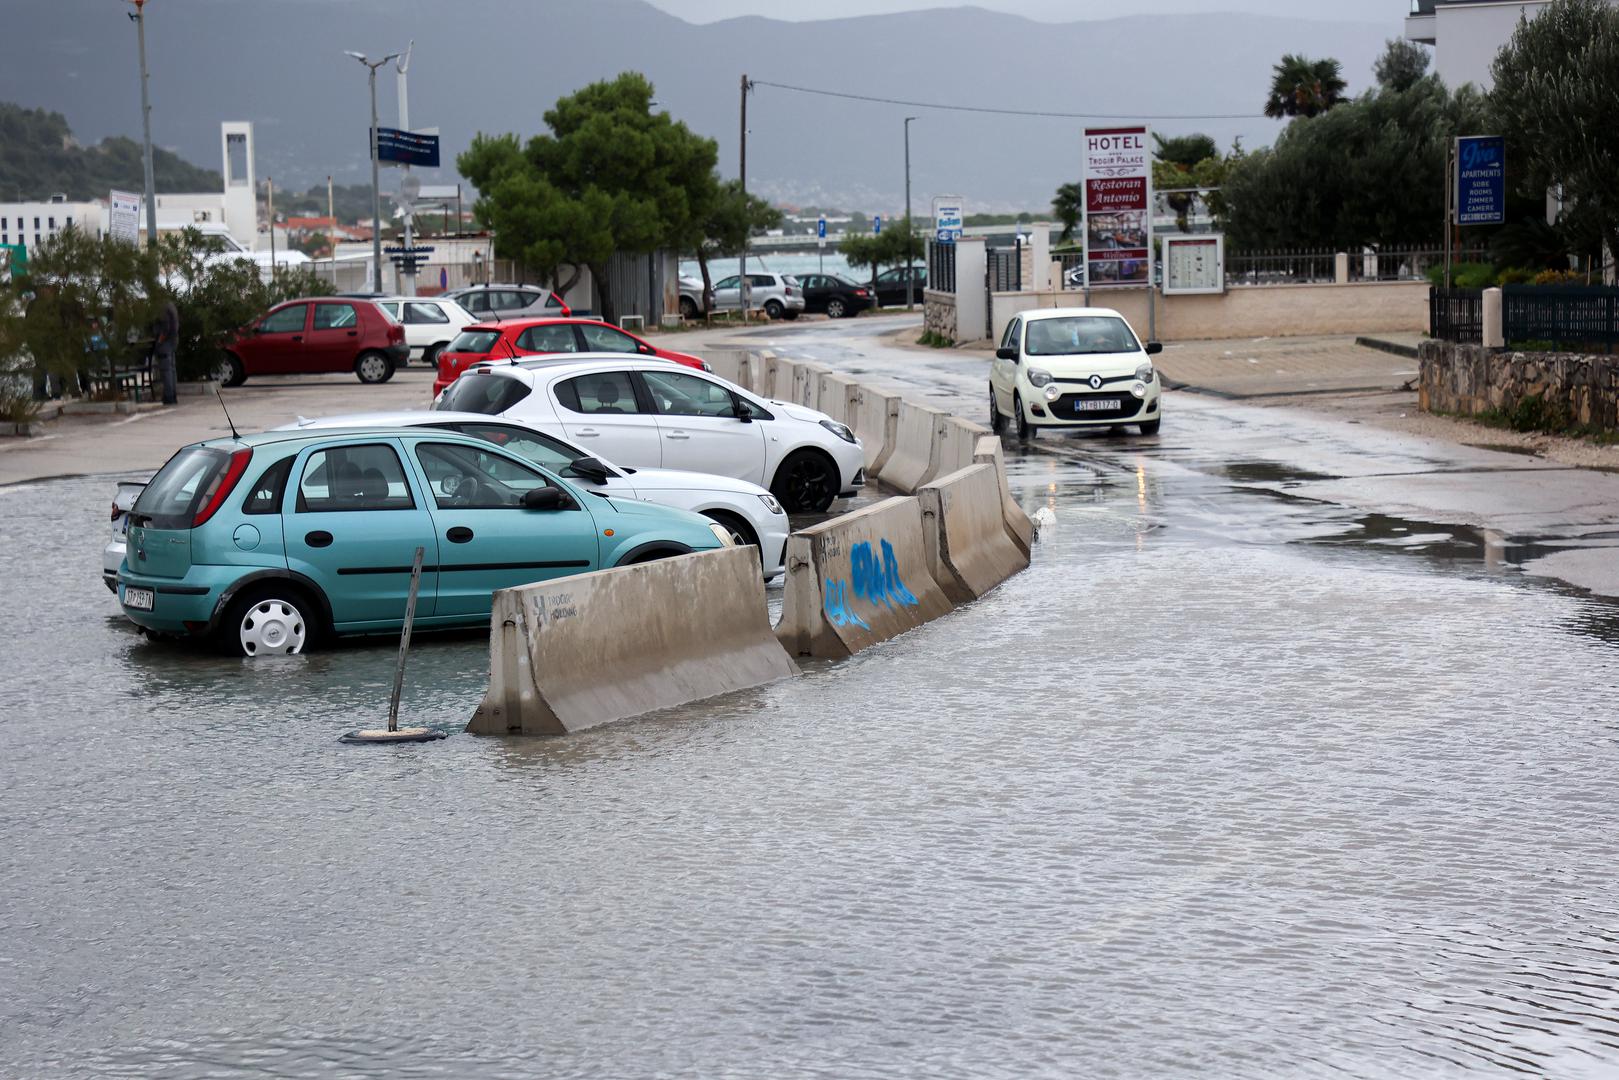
[{"x": 785, "y": 296}]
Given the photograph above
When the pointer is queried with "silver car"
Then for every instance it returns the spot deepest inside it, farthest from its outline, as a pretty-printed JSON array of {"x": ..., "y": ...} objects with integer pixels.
[
  {"x": 778, "y": 295},
  {"x": 490, "y": 302}
]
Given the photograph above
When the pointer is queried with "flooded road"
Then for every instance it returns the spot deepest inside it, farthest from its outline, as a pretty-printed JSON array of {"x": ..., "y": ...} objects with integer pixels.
[{"x": 1235, "y": 780}]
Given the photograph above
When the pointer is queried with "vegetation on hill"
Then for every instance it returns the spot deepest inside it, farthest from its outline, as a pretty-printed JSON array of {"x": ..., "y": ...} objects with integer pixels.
[{"x": 42, "y": 160}]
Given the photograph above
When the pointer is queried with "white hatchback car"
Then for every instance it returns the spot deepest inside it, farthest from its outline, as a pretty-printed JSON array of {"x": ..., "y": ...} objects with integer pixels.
[
  {"x": 651, "y": 414},
  {"x": 431, "y": 323},
  {"x": 749, "y": 512},
  {"x": 1073, "y": 367}
]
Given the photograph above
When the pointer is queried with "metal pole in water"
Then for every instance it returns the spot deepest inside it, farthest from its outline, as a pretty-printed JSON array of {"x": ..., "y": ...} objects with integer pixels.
[{"x": 393, "y": 733}]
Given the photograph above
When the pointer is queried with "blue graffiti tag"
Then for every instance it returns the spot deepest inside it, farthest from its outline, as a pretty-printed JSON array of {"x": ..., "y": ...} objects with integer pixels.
[
  {"x": 879, "y": 582},
  {"x": 838, "y": 611}
]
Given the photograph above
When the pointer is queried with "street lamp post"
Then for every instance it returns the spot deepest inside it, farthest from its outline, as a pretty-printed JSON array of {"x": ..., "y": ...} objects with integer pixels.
[
  {"x": 910, "y": 292},
  {"x": 376, "y": 194},
  {"x": 139, "y": 18}
]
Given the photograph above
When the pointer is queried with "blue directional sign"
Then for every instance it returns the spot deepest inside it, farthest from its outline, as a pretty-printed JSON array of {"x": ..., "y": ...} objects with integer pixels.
[
  {"x": 1481, "y": 180},
  {"x": 820, "y": 228},
  {"x": 406, "y": 147},
  {"x": 877, "y": 224}
]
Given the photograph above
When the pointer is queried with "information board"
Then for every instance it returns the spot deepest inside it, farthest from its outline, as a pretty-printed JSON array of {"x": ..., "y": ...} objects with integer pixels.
[
  {"x": 1194, "y": 264},
  {"x": 406, "y": 147},
  {"x": 1481, "y": 180},
  {"x": 947, "y": 219},
  {"x": 124, "y": 216},
  {"x": 1118, "y": 207}
]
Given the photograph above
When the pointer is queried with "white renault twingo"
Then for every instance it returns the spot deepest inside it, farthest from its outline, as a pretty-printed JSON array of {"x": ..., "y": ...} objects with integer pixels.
[{"x": 1073, "y": 367}]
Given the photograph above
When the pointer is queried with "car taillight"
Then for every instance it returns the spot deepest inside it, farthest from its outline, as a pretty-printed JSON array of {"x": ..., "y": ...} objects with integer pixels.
[
  {"x": 233, "y": 475},
  {"x": 116, "y": 513},
  {"x": 860, "y": 293}
]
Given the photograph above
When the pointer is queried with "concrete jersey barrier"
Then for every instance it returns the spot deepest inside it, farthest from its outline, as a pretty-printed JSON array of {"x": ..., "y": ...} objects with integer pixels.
[
  {"x": 916, "y": 445},
  {"x": 807, "y": 382},
  {"x": 858, "y": 579},
  {"x": 875, "y": 418},
  {"x": 726, "y": 363},
  {"x": 782, "y": 372},
  {"x": 836, "y": 395},
  {"x": 572, "y": 653},
  {"x": 1018, "y": 525},
  {"x": 970, "y": 550},
  {"x": 958, "y": 441}
]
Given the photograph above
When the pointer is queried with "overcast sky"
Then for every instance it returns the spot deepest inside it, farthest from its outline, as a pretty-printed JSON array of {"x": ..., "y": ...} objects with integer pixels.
[{"x": 1390, "y": 11}]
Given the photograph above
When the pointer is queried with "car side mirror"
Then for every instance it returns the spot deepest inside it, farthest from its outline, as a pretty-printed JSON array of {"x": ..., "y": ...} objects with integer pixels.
[
  {"x": 585, "y": 468},
  {"x": 1006, "y": 352},
  {"x": 1154, "y": 348},
  {"x": 546, "y": 498},
  {"x": 744, "y": 412}
]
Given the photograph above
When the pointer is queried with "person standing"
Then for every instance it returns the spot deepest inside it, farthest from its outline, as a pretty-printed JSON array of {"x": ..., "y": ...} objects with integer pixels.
[{"x": 166, "y": 330}]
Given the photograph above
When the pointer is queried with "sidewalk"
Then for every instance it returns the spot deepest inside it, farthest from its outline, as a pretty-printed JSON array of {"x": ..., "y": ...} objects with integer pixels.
[{"x": 1276, "y": 367}]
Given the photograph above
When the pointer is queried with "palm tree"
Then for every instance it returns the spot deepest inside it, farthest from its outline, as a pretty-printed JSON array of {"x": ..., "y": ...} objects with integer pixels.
[
  {"x": 1069, "y": 207},
  {"x": 1305, "y": 87}
]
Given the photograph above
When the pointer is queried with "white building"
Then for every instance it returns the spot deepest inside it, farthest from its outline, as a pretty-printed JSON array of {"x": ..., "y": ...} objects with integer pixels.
[
  {"x": 32, "y": 223},
  {"x": 1467, "y": 34}
]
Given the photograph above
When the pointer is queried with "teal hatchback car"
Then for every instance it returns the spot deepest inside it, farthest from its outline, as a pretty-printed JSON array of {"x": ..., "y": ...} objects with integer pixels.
[{"x": 268, "y": 543}]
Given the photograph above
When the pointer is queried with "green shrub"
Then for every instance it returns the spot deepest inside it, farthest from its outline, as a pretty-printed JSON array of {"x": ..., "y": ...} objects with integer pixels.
[
  {"x": 1515, "y": 275},
  {"x": 935, "y": 341},
  {"x": 1464, "y": 275}
]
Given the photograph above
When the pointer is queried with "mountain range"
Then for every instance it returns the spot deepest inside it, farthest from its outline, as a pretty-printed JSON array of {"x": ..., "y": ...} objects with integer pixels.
[{"x": 497, "y": 65}]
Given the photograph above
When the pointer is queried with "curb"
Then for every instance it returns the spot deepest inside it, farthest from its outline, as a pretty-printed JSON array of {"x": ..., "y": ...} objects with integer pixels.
[{"x": 1395, "y": 347}]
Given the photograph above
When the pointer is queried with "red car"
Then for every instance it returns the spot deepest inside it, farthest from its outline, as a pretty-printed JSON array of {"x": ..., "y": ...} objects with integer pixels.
[
  {"x": 532, "y": 337},
  {"x": 316, "y": 335}
]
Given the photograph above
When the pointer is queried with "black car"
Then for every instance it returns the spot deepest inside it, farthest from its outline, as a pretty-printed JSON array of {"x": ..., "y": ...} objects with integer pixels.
[
  {"x": 833, "y": 295},
  {"x": 891, "y": 285}
]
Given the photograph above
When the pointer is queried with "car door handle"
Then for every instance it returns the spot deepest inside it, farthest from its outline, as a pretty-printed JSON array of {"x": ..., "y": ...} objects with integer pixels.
[
  {"x": 297, "y": 337},
  {"x": 354, "y": 333},
  {"x": 587, "y": 433},
  {"x": 459, "y": 535},
  {"x": 675, "y": 435},
  {"x": 318, "y": 538}
]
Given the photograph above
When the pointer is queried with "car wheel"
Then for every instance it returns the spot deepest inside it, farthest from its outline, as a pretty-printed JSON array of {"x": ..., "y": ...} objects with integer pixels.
[
  {"x": 1151, "y": 427},
  {"x": 835, "y": 308},
  {"x": 806, "y": 482},
  {"x": 1025, "y": 430},
  {"x": 273, "y": 619},
  {"x": 430, "y": 357},
  {"x": 374, "y": 367},
  {"x": 231, "y": 371},
  {"x": 997, "y": 422},
  {"x": 774, "y": 309},
  {"x": 688, "y": 308},
  {"x": 742, "y": 534}
]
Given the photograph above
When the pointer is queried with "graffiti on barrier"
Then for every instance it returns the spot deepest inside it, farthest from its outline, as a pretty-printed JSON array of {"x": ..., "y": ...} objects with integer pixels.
[
  {"x": 838, "y": 611},
  {"x": 878, "y": 580}
]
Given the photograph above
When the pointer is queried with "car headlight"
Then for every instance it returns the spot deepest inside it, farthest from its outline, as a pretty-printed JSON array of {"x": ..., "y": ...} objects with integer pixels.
[
  {"x": 1144, "y": 373},
  {"x": 1037, "y": 377},
  {"x": 722, "y": 534},
  {"x": 1053, "y": 393},
  {"x": 840, "y": 430},
  {"x": 771, "y": 504}
]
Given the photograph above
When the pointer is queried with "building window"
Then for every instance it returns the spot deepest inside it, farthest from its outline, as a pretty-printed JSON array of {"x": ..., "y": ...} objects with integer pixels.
[
  {"x": 36, "y": 223},
  {"x": 67, "y": 222},
  {"x": 51, "y": 221}
]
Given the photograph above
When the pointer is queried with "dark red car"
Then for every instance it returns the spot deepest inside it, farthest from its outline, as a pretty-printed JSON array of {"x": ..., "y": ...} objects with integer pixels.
[
  {"x": 317, "y": 335},
  {"x": 532, "y": 337}
]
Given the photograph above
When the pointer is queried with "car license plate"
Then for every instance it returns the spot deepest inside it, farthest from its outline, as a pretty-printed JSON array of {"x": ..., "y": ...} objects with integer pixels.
[
  {"x": 1094, "y": 404},
  {"x": 139, "y": 599}
]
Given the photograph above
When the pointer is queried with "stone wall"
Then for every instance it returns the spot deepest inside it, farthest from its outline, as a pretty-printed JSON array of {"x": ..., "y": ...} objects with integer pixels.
[
  {"x": 939, "y": 313},
  {"x": 1470, "y": 379}
]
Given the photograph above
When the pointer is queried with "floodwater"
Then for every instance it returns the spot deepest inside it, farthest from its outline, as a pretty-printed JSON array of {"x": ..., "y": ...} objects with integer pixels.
[{"x": 1229, "y": 783}]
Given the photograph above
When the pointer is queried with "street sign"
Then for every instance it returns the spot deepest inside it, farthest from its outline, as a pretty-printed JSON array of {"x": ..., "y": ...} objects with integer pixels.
[
  {"x": 1118, "y": 207},
  {"x": 877, "y": 224},
  {"x": 124, "y": 216},
  {"x": 820, "y": 228},
  {"x": 419, "y": 249},
  {"x": 947, "y": 219},
  {"x": 407, "y": 147},
  {"x": 1481, "y": 180},
  {"x": 14, "y": 259}
]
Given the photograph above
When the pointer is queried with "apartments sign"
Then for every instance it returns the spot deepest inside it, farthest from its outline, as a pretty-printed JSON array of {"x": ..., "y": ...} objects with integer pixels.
[{"x": 1118, "y": 207}]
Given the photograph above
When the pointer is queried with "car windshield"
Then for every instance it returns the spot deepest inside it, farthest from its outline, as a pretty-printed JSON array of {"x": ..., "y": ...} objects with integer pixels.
[
  {"x": 482, "y": 393},
  {"x": 1079, "y": 335},
  {"x": 181, "y": 487},
  {"x": 474, "y": 341}
]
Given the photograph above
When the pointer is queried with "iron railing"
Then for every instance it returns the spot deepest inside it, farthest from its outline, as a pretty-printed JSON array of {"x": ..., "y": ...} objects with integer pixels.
[
  {"x": 1004, "y": 269},
  {"x": 1280, "y": 266},
  {"x": 1073, "y": 269},
  {"x": 1456, "y": 315},
  {"x": 1577, "y": 318},
  {"x": 941, "y": 267},
  {"x": 1407, "y": 263}
]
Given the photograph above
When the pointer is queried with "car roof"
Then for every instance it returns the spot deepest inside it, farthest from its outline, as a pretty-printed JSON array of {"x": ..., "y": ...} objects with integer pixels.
[
  {"x": 563, "y": 364},
  {"x": 400, "y": 419},
  {"x": 256, "y": 439},
  {"x": 525, "y": 321},
  {"x": 1068, "y": 312}
]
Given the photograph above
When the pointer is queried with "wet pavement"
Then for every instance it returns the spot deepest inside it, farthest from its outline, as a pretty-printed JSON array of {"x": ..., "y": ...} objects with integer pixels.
[{"x": 1234, "y": 780}]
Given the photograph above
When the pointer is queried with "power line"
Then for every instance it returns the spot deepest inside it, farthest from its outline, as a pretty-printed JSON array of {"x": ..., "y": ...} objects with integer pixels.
[{"x": 1006, "y": 112}]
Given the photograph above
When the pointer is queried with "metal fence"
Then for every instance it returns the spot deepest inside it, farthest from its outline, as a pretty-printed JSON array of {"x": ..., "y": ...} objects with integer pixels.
[
  {"x": 1004, "y": 269},
  {"x": 1284, "y": 266},
  {"x": 1073, "y": 269},
  {"x": 1573, "y": 317},
  {"x": 941, "y": 267},
  {"x": 1456, "y": 315}
]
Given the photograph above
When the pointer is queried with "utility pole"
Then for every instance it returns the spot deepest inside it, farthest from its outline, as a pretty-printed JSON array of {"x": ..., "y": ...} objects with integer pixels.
[
  {"x": 910, "y": 292},
  {"x": 742, "y": 270},
  {"x": 331, "y": 237},
  {"x": 376, "y": 197},
  {"x": 409, "y": 265},
  {"x": 269, "y": 212},
  {"x": 139, "y": 18}
]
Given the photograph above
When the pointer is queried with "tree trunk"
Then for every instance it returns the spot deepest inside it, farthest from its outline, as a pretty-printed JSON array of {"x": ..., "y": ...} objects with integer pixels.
[
  {"x": 573, "y": 279},
  {"x": 604, "y": 289},
  {"x": 708, "y": 286}
]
